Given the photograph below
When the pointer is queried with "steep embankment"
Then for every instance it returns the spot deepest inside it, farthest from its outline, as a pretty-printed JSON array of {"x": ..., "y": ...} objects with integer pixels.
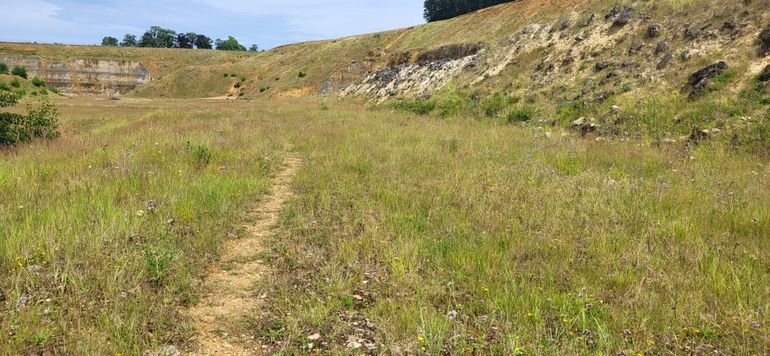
[
  {"x": 96, "y": 70},
  {"x": 555, "y": 50}
]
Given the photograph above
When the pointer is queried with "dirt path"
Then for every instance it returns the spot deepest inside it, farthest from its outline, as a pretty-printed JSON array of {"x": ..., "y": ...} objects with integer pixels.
[{"x": 229, "y": 288}]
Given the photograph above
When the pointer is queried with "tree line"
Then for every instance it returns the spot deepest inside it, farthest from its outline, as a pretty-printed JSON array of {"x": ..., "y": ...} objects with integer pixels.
[
  {"x": 436, "y": 10},
  {"x": 159, "y": 37}
]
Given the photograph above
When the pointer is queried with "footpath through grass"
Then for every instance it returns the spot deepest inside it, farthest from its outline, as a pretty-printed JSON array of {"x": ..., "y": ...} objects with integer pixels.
[
  {"x": 104, "y": 232},
  {"x": 406, "y": 234}
]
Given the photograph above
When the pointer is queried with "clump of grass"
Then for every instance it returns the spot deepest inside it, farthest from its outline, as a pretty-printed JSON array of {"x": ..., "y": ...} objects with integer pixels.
[
  {"x": 520, "y": 115},
  {"x": 417, "y": 106}
]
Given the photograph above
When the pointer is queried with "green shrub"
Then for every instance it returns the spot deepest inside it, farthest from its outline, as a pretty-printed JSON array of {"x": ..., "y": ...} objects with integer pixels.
[
  {"x": 19, "y": 71},
  {"x": 520, "y": 115},
  {"x": 301, "y": 74},
  {"x": 38, "y": 82},
  {"x": 4, "y": 86},
  {"x": 3, "y": 68},
  {"x": 202, "y": 155},
  {"x": 419, "y": 106},
  {"x": 495, "y": 104},
  {"x": 40, "y": 122},
  {"x": 15, "y": 83}
]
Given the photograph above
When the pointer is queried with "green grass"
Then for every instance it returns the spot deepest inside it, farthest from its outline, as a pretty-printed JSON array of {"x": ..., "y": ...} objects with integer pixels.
[
  {"x": 541, "y": 246},
  {"x": 442, "y": 235},
  {"x": 100, "y": 273}
]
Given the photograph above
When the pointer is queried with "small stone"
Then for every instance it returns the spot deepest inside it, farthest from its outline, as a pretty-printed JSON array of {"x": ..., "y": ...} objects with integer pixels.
[
  {"x": 613, "y": 74},
  {"x": 614, "y": 109},
  {"x": 168, "y": 350},
  {"x": 452, "y": 314},
  {"x": 354, "y": 345},
  {"x": 661, "y": 47},
  {"x": 314, "y": 337}
]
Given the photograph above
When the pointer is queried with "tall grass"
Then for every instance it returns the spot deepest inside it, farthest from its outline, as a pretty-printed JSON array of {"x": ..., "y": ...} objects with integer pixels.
[
  {"x": 506, "y": 242},
  {"x": 87, "y": 264}
]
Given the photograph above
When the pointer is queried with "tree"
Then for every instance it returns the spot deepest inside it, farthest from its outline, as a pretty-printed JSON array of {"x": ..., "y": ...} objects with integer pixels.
[
  {"x": 436, "y": 10},
  {"x": 158, "y": 37},
  {"x": 110, "y": 41},
  {"x": 186, "y": 40},
  {"x": 230, "y": 44},
  {"x": 3, "y": 68},
  {"x": 203, "y": 42},
  {"x": 253, "y": 48},
  {"x": 129, "y": 40}
]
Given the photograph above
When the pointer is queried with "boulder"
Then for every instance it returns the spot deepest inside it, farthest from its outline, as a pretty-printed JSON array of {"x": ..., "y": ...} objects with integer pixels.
[
  {"x": 654, "y": 30},
  {"x": 584, "y": 126},
  {"x": 764, "y": 75},
  {"x": 612, "y": 13},
  {"x": 603, "y": 65},
  {"x": 764, "y": 41},
  {"x": 702, "y": 80},
  {"x": 663, "y": 64},
  {"x": 625, "y": 17}
]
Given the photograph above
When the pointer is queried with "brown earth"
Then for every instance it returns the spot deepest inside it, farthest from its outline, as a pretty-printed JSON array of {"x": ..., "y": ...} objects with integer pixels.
[{"x": 229, "y": 288}]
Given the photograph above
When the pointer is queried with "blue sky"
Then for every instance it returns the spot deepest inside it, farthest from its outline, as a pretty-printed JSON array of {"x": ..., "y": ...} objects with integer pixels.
[{"x": 267, "y": 23}]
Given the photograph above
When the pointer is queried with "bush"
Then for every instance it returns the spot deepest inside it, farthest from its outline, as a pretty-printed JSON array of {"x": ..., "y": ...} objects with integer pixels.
[
  {"x": 494, "y": 105},
  {"x": 520, "y": 115},
  {"x": 4, "y": 86},
  {"x": 38, "y": 82},
  {"x": 302, "y": 74},
  {"x": 419, "y": 106},
  {"x": 40, "y": 122},
  {"x": 19, "y": 71},
  {"x": 15, "y": 83},
  {"x": 3, "y": 68}
]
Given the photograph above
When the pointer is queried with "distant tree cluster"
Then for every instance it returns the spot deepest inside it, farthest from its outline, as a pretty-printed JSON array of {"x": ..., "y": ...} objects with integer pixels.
[
  {"x": 436, "y": 10},
  {"x": 159, "y": 37}
]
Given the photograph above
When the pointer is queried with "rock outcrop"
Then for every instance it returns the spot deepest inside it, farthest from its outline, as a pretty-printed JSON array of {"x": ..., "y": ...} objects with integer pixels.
[{"x": 97, "y": 77}]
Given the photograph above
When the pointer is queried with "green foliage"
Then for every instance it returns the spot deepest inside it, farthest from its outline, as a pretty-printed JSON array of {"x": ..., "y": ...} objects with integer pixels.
[
  {"x": 158, "y": 37},
  {"x": 4, "y": 86},
  {"x": 520, "y": 115},
  {"x": 110, "y": 41},
  {"x": 301, "y": 74},
  {"x": 494, "y": 105},
  {"x": 254, "y": 48},
  {"x": 230, "y": 44},
  {"x": 203, "y": 42},
  {"x": 40, "y": 121},
  {"x": 15, "y": 83},
  {"x": 158, "y": 262},
  {"x": 129, "y": 40},
  {"x": 19, "y": 71},
  {"x": 202, "y": 155},
  {"x": 3, "y": 68},
  {"x": 435, "y": 10},
  {"x": 36, "y": 81},
  {"x": 418, "y": 106}
]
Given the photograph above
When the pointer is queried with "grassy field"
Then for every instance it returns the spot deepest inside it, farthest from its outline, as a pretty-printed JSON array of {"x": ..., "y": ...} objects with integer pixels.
[{"x": 407, "y": 234}]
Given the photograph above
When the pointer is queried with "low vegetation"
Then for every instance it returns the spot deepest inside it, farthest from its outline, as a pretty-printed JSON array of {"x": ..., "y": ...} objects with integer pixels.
[{"x": 39, "y": 122}]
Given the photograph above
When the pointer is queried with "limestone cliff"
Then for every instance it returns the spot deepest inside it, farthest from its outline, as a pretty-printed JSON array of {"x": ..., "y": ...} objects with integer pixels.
[{"x": 85, "y": 76}]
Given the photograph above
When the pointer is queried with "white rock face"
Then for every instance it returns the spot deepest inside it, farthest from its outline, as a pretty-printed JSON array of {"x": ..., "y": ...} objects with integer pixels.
[
  {"x": 409, "y": 79},
  {"x": 85, "y": 76}
]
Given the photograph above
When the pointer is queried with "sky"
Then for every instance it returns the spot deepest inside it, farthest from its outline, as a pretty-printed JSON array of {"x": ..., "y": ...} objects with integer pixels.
[{"x": 267, "y": 23}]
